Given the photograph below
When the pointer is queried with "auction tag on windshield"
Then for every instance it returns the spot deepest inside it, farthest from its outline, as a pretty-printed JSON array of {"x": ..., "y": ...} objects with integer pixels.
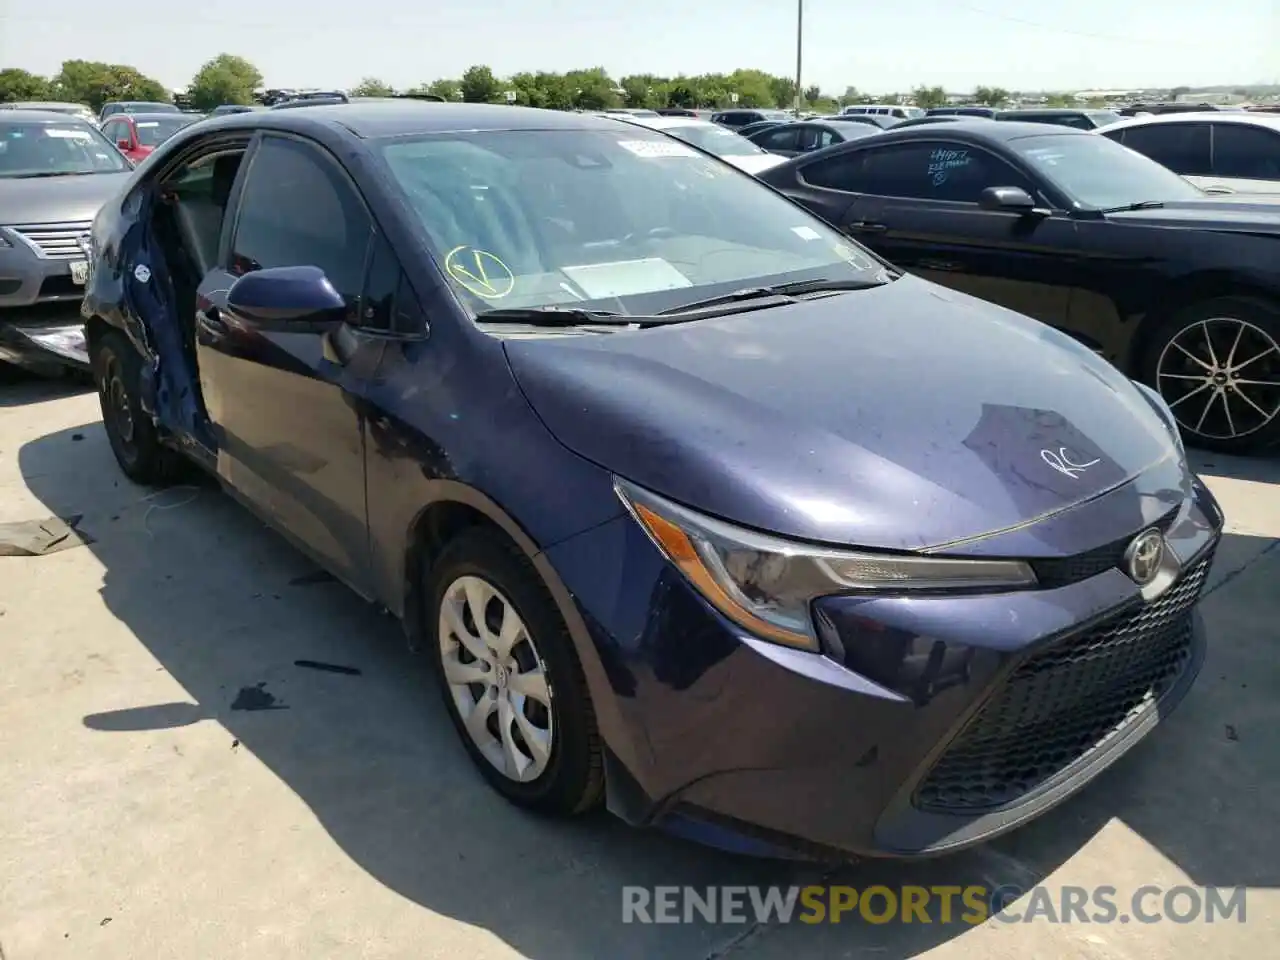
[
  {"x": 62, "y": 133},
  {"x": 653, "y": 149}
]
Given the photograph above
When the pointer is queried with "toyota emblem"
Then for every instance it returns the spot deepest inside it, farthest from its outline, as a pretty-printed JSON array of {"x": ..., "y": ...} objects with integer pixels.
[{"x": 1143, "y": 559}]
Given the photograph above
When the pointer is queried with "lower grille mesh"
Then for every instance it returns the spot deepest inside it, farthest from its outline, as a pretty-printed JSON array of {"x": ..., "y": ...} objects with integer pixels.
[{"x": 1065, "y": 702}]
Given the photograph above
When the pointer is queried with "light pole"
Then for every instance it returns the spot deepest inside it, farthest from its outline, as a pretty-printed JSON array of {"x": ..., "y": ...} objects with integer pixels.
[{"x": 799, "y": 50}]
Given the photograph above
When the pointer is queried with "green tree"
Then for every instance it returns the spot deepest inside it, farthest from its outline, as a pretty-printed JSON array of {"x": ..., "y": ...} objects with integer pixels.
[
  {"x": 682, "y": 92},
  {"x": 592, "y": 89},
  {"x": 18, "y": 84},
  {"x": 991, "y": 96},
  {"x": 783, "y": 90},
  {"x": 753, "y": 87},
  {"x": 224, "y": 79},
  {"x": 95, "y": 83},
  {"x": 479, "y": 85},
  {"x": 372, "y": 87},
  {"x": 929, "y": 97},
  {"x": 851, "y": 95},
  {"x": 1060, "y": 100},
  {"x": 449, "y": 89},
  {"x": 643, "y": 90}
]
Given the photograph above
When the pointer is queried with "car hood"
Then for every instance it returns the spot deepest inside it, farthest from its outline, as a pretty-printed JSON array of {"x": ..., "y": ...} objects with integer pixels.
[
  {"x": 57, "y": 199},
  {"x": 903, "y": 417},
  {"x": 755, "y": 163},
  {"x": 1253, "y": 213}
]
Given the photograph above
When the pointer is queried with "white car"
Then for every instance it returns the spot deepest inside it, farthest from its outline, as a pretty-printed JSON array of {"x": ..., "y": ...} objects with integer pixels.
[
  {"x": 1219, "y": 151},
  {"x": 722, "y": 141}
]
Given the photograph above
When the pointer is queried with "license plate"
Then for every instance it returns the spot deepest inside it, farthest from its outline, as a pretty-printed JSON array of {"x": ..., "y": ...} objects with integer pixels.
[{"x": 79, "y": 272}]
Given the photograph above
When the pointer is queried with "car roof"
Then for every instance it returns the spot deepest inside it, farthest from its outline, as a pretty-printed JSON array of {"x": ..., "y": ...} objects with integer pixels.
[
  {"x": 135, "y": 117},
  {"x": 982, "y": 130},
  {"x": 393, "y": 118},
  {"x": 665, "y": 123},
  {"x": 1271, "y": 120},
  {"x": 41, "y": 116}
]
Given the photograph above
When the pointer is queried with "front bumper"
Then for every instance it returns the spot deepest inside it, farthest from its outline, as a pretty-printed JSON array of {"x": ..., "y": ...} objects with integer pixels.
[
  {"x": 42, "y": 277},
  {"x": 931, "y": 723}
]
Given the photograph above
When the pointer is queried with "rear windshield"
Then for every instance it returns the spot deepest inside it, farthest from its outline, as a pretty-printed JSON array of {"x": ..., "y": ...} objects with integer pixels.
[
  {"x": 715, "y": 139},
  {"x": 153, "y": 132}
]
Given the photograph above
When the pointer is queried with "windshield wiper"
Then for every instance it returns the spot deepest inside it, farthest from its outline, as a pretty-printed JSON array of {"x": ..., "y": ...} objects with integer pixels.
[
  {"x": 559, "y": 317},
  {"x": 50, "y": 173},
  {"x": 1140, "y": 205},
  {"x": 785, "y": 291}
]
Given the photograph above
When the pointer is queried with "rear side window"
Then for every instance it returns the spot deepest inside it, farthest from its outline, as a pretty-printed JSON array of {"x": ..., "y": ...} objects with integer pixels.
[
  {"x": 1182, "y": 147},
  {"x": 1245, "y": 152},
  {"x": 936, "y": 170},
  {"x": 782, "y": 138},
  {"x": 298, "y": 210}
]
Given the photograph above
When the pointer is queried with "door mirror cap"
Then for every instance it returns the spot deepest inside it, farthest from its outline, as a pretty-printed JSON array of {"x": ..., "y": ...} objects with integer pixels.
[
  {"x": 1010, "y": 199},
  {"x": 287, "y": 300}
]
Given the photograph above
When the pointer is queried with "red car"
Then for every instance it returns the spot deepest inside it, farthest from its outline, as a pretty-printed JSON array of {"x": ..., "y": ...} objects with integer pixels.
[{"x": 137, "y": 134}]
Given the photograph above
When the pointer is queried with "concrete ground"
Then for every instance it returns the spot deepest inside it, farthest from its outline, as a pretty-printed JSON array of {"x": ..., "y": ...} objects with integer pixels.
[{"x": 145, "y": 813}]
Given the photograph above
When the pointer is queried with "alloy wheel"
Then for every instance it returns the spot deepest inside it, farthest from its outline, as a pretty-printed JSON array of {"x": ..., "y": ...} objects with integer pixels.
[
  {"x": 496, "y": 678},
  {"x": 1221, "y": 378}
]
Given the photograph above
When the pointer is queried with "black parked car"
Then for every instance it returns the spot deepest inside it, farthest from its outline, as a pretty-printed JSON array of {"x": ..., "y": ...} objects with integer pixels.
[
  {"x": 1175, "y": 287},
  {"x": 740, "y": 118},
  {"x": 1063, "y": 117},
  {"x": 751, "y": 129},
  {"x": 794, "y": 139}
]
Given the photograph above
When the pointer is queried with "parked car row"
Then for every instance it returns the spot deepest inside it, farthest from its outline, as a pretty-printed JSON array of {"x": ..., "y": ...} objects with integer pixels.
[{"x": 702, "y": 508}]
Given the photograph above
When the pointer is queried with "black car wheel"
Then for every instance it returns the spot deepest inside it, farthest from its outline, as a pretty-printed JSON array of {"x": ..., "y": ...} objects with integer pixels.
[
  {"x": 510, "y": 677},
  {"x": 133, "y": 437},
  {"x": 1217, "y": 365}
]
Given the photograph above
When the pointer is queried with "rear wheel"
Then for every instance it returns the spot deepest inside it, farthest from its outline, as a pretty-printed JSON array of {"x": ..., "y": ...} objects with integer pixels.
[
  {"x": 133, "y": 437},
  {"x": 510, "y": 677},
  {"x": 1217, "y": 365}
]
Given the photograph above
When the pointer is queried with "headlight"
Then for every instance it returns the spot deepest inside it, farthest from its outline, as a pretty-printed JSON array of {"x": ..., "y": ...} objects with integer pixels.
[
  {"x": 1166, "y": 414},
  {"x": 765, "y": 584}
]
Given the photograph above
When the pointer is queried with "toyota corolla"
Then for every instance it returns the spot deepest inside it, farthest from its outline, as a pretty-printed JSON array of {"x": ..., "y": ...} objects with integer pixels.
[{"x": 700, "y": 509}]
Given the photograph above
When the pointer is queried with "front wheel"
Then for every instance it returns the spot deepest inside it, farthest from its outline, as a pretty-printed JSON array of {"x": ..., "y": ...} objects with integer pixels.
[
  {"x": 510, "y": 677},
  {"x": 1217, "y": 365},
  {"x": 133, "y": 437}
]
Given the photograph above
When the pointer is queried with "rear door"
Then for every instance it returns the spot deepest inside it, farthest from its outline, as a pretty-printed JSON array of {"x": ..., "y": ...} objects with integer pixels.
[
  {"x": 1185, "y": 148},
  {"x": 1246, "y": 158},
  {"x": 916, "y": 204},
  {"x": 289, "y": 410}
]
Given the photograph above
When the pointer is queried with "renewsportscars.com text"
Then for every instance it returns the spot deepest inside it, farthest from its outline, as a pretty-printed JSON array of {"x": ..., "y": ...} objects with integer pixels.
[{"x": 971, "y": 905}]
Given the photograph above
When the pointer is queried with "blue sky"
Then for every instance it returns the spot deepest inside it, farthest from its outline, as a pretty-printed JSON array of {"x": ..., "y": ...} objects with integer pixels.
[{"x": 878, "y": 46}]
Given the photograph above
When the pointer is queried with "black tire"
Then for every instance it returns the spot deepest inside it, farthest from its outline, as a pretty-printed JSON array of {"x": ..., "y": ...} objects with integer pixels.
[
  {"x": 573, "y": 779},
  {"x": 1240, "y": 428},
  {"x": 133, "y": 437}
]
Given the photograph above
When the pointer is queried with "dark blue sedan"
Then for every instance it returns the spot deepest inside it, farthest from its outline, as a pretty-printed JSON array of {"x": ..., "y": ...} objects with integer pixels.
[{"x": 702, "y": 510}]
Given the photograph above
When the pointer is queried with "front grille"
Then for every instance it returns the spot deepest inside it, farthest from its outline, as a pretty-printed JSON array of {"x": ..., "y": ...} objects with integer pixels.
[
  {"x": 1062, "y": 571},
  {"x": 61, "y": 241},
  {"x": 1062, "y": 704}
]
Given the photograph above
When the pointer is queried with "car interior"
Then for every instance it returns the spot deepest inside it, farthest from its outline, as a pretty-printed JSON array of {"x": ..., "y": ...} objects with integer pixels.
[{"x": 187, "y": 223}]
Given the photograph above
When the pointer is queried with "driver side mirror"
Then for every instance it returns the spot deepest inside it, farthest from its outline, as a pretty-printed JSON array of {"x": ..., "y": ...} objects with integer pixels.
[
  {"x": 1009, "y": 200},
  {"x": 123, "y": 144},
  {"x": 287, "y": 300}
]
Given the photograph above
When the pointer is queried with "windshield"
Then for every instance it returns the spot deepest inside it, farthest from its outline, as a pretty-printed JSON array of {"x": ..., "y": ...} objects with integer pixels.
[
  {"x": 626, "y": 221},
  {"x": 50, "y": 148},
  {"x": 1103, "y": 117},
  {"x": 1097, "y": 173},
  {"x": 715, "y": 139},
  {"x": 152, "y": 133}
]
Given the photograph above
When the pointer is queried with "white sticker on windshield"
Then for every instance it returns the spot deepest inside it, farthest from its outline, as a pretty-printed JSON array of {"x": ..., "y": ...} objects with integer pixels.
[
  {"x": 652, "y": 149},
  {"x": 64, "y": 134},
  {"x": 854, "y": 257},
  {"x": 806, "y": 233},
  {"x": 148, "y": 123}
]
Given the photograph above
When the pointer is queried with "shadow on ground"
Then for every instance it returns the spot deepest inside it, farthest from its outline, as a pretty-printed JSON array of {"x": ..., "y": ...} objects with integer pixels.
[
  {"x": 19, "y": 388},
  {"x": 228, "y": 608}
]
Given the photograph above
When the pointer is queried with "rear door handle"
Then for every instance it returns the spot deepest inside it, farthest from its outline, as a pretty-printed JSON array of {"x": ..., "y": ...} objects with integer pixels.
[
  {"x": 937, "y": 265},
  {"x": 868, "y": 226}
]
